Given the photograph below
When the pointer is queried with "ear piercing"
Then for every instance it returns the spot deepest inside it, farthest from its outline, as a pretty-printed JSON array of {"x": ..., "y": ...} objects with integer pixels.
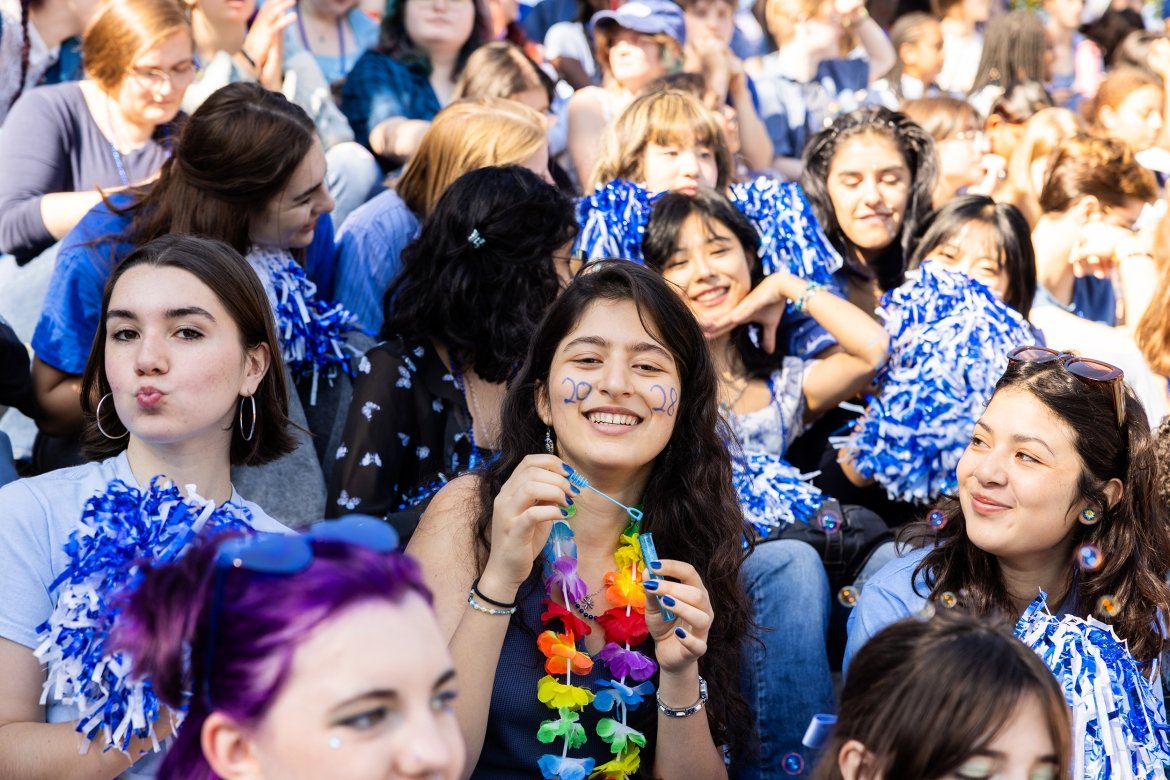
[{"x": 1089, "y": 517}]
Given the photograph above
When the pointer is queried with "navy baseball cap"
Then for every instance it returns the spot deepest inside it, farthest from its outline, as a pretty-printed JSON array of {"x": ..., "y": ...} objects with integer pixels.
[{"x": 649, "y": 17}]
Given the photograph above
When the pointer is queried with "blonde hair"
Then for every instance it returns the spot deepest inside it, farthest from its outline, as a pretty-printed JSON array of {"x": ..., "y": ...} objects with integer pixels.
[
  {"x": 122, "y": 30},
  {"x": 1043, "y": 132},
  {"x": 782, "y": 26},
  {"x": 943, "y": 116},
  {"x": 664, "y": 117},
  {"x": 466, "y": 135}
]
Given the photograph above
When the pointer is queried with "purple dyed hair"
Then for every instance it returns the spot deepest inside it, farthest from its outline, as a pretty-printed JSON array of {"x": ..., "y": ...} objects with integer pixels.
[{"x": 263, "y": 618}]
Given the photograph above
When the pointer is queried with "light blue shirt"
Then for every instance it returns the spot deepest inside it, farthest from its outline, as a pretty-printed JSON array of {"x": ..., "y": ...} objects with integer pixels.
[
  {"x": 365, "y": 32},
  {"x": 368, "y": 248}
]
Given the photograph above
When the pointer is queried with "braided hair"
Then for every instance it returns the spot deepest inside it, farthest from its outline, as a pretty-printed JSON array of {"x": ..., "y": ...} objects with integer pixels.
[{"x": 25, "y": 46}]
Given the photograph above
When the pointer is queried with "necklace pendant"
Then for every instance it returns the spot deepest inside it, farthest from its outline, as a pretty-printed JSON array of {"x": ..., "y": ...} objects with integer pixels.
[{"x": 586, "y": 603}]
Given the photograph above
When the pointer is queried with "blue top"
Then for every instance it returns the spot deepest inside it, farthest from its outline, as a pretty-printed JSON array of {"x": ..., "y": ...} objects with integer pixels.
[
  {"x": 894, "y": 593},
  {"x": 89, "y": 252},
  {"x": 380, "y": 88},
  {"x": 1093, "y": 299},
  {"x": 365, "y": 32},
  {"x": 793, "y": 111},
  {"x": 368, "y": 247}
]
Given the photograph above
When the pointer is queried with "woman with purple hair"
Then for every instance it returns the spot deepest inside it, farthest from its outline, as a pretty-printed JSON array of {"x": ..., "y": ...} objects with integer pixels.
[{"x": 298, "y": 657}]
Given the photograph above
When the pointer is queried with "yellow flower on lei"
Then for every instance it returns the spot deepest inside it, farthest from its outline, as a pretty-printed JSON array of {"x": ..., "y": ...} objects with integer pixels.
[
  {"x": 558, "y": 695},
  {"x": 620, "y": 767}
]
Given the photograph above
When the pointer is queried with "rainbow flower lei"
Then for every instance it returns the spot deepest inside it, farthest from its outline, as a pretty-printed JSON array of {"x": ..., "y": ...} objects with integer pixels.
[{"x": 625, "y": 629}]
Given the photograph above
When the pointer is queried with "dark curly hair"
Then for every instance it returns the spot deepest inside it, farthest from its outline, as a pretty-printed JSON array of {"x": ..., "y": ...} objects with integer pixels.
[
  {"x": 661, "y": 238},
  {"x": 917, "y": 148},
  {"x": 482, "y": 301},
  {"x": 1134, "y": 532},
  {"x": 690, "y": 505}
]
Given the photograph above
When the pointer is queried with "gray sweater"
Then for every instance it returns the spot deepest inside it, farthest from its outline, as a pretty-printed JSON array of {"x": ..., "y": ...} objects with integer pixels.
[{"x": 50, "y": 143}]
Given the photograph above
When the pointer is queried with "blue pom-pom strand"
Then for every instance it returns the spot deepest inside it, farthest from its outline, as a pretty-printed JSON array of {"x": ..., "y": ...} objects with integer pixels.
[
  {"x": 120, "y": 530},
  {"x": 311, "y": 331},
  {"x": 613, "y": 221},
  {"x": 772, "y": 492},
  {"x": 1119, "y": 720},
  {"x": 949, "y": 339}
]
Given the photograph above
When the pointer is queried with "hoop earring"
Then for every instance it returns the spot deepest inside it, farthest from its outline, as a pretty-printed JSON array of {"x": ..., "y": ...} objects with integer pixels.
[
  {"x": 548, "y": 442},
  {"x": 97, "y": 418},
  {"x": 252, "y": 430},
  {"x": 1089, "y": 517}
]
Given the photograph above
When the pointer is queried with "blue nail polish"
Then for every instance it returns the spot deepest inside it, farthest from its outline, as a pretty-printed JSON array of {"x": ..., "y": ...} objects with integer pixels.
[
  {"x": 564, "y": 513},
  {"x": 667, "y": 601},
  {"x": 650, "y": 585},
  {"x": 568, "y": 469},
  {"x": 680, "y": 633},
  {"x": 574, "y": 488},
  {"x": 655, "y": 564},
  {"x": 569, "y": 500}
]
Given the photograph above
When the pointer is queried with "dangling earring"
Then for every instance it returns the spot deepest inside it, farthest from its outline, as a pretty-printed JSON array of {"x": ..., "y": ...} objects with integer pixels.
[
  {"x": 251, "y": 430},
  {"x": 548, "y": 442},
  {"x": 97, "y": 418},
  {"x": 1089, "y": 517}
]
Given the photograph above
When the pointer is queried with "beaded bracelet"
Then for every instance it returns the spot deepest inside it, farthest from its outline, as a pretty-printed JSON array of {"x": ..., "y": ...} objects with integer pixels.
[
  {"x": 479, "y": 594},
  {"x": 802, "y": 302},
  {"x": 685, "y": 712},
  {"x": 471, "y": 602}
]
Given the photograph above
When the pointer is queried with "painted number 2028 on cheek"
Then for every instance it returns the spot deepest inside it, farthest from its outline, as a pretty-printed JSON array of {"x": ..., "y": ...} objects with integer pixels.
[
  {"x": 668, "y": 399},
  {"x": 578, "y": 391}
]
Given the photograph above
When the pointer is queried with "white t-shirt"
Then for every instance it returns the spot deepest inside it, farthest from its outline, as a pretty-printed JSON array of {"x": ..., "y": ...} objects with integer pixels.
[{"x": 37, "y": 515}]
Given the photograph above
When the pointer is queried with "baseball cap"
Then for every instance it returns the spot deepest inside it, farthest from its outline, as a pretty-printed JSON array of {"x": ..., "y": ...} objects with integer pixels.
[{"x": 649, "y": 17}]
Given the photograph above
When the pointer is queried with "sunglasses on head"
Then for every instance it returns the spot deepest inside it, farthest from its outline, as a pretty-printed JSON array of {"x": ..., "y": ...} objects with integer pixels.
[
  {"x": 284, "y": 554},
  {"x": 1096, "y": 372}
]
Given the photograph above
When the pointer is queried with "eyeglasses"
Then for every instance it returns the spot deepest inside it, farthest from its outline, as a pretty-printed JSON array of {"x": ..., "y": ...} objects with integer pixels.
[
  {"x": 284, "y": 554},
  {"x": 1096, "y": 372},
  {"x": 153, "y": 79}
]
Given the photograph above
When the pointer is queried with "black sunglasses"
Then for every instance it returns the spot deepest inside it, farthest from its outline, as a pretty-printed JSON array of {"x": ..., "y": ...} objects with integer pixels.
[
  {"x": 284, "y": 554},
  {"x": 1096, "y": 372}
]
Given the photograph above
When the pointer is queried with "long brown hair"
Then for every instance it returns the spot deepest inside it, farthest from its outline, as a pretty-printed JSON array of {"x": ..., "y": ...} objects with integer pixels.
[
  {"x": 690, "y": 505},
  {"x": 235, "y": 154},
  {"x": 238, "y": 288},
  {"x": 1134, "y": 533},
  {"x": 964, "y": 676}
]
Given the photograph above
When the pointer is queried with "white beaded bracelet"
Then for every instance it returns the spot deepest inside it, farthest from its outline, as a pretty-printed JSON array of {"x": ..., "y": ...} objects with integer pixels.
[{"x": 474, "y": 604}]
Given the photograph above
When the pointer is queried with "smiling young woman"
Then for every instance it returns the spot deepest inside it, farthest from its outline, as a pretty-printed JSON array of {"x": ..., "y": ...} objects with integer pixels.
[
  {"x": 65, "y": 143},
  {"x": 617, "y": 389}
]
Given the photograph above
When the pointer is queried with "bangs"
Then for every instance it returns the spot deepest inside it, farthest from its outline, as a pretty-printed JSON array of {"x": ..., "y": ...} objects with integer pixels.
[{"x": 672, "y": 120}]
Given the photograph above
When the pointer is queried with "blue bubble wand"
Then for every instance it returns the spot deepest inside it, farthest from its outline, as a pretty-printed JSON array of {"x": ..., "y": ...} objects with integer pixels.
[{"x": 577, "y": 479}]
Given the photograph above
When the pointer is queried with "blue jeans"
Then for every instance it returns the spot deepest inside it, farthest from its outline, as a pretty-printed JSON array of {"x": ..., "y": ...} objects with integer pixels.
[{"x": 785, "y": 673}]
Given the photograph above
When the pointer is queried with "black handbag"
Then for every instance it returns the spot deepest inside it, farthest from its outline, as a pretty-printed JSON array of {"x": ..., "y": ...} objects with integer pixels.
[{"x": 845, "y": 537}]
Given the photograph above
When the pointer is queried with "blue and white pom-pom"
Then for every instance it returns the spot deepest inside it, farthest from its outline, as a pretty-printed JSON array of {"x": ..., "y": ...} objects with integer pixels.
[
  {"x": 790, "y": 236},
  {"x": 120, "y": 530},
  {"x": 772, "y": 492},
  {"x": 311, "y": 331},
  {"x": 613, "y": 221},
  {"x": 949, "y": 339},
  {"x": 1119, "y": 720}
]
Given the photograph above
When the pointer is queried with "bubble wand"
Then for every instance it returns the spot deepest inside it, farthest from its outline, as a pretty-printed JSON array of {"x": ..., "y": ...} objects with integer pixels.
[{"x": 577, "y": 479}]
